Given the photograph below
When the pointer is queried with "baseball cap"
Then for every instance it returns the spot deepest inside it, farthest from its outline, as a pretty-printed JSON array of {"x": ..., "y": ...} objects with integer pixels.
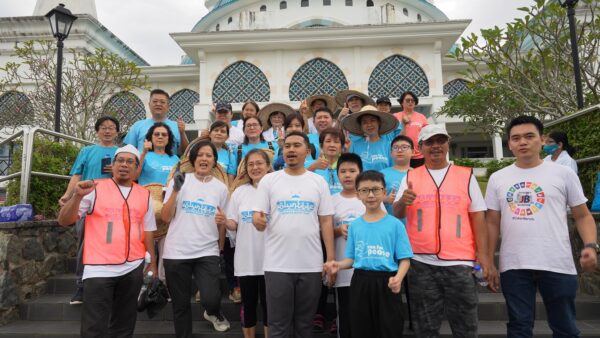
[
  {"x": 431, "y": 130},
  {"x": 223, "y": 106},
  {"x": 383, "y": 100},
  {"x": 128, "y": 149}
]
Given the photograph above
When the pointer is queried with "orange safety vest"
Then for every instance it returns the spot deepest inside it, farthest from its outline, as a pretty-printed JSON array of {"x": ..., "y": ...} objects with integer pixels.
[
  {"x": 438, "y": 221},
  {"x": 114, "y": 227}
]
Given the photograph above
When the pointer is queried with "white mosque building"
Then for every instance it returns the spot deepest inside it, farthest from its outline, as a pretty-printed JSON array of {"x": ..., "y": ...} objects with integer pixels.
[{"x": 283, "y": 51}]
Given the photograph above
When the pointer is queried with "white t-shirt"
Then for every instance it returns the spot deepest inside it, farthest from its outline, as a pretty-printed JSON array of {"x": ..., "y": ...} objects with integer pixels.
[
  {"x": 250, "y": 243},
  {"x": 236, "y": 134},
  {"x": 193, "y": 232},
  {"x": 563, "y": 159},
  {"x": 105, "y": 271},
  {"x": 292, "y": 237},
  {"x": 477, "y": 204},
  {"x": 311, "y": 126},
  {"x": 347, "y": 209},
  {"x": 533, "y": 205}
]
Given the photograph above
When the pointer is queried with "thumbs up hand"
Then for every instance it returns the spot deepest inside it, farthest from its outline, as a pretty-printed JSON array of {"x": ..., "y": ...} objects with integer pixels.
[
  {"x": 220, "y": 218},
  {"x": 259, "y": 219},
  {"x": 408, "y": 196},
  {"x": 395, "y": 283}
]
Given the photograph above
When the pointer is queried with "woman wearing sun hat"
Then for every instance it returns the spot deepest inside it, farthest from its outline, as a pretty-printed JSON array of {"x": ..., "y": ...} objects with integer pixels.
[
  {"x": 352, "y": 101},
  {"x": 272, "y": 117}
]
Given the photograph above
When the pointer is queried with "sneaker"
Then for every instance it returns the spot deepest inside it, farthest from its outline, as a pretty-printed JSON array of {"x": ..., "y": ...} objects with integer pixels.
[
  {"x": 219, "y": 322},
  {"x": 318, "y": 323},
  {"x": 77, "y": 297},
  {"x": 236, "y": 295},
  {"x": 333, "y": 328},
  {"x": 197, "y": 297}
]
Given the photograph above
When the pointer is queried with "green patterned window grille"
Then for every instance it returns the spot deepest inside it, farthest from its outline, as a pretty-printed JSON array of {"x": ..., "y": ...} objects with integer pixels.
[
  {"x": 239, "y": 82},
  {"x": 455, "y": 87},
  {"x": 16, "y": 104},
  {"x": 395, "y": 75},
  {"x": 317, "y": 76},
  {"x": 182, "y": 104},
  {"x": 125, "y": 107}
]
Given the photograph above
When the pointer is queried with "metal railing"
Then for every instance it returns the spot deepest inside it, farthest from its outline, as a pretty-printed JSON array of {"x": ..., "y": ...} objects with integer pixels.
[{"x": 28, "y": 134}]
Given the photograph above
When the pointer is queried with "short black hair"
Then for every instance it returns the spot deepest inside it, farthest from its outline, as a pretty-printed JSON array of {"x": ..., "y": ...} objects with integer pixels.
[
  {"x": 290, "y": 118},
  {"x": 159, "y": 92},
  {"x": 324, "y": 109},
  {"x": 335, "y": 132},
  {"x": 297, "y": 133},
  {"x": 218, "y": 124},
  {"x": 349, "y": 158},
  {"x": 408, "y": 92},
  {"x": 104, "y": 119},
  {"x": 525, "y": 119},
  {"x": 170, "y": 143},
  {"x": 403, "y": 138},
  {"x": 196, "y": 148},
  {"x": 370, "y": 175}
]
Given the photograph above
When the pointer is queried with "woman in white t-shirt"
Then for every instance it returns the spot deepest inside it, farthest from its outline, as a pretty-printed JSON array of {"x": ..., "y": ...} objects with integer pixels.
[
  {"x": 559, "y": 150},
  {"x": 248, "y": 260},
  {"x": 194, "y": 204}
]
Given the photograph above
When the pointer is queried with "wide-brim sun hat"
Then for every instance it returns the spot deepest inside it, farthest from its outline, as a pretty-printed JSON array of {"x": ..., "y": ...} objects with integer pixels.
[
  {"x": 269, "y": 109},
  {"x": 387, "y": 122},
  {"x": 342, "y": 96},
  {"x": 329, "y": 102}
]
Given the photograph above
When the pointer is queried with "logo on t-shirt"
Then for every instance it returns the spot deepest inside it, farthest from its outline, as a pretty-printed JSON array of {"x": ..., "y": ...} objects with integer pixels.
[
  {"x": 295, "y": 205},
  {"x": 364, "y": 250},
  {"x": 373, "y": 158},
  {"x": 198, "y": 207},
  {"x": 525, "y": 199},
  {"x": 247, "y": 216}
]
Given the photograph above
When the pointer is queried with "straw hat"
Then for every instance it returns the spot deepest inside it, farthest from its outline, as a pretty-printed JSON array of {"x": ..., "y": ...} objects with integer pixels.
[
  {"x": 156, "y": 195},
  {"x": 269, "y": 109},
  {"x": 342, "y": 96},
  {"x": 185, "y": 166},
  {"x": 387, "y": 122},
  {"x": 328, "y": 99}
]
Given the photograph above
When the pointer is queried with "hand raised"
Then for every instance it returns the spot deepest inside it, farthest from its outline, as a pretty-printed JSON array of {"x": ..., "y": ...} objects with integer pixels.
[
  {"x": 147, "y": 146},
  {"x": 408, "y": 196},
  {"x": 85, "y": 187},
  {"x": 178, "y": 181}
]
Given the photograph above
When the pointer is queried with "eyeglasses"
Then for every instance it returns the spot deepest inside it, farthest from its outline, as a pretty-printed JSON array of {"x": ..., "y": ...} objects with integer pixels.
[
  {"x": 409, "y": 100},
  {"x": 253, "y": 125},
  {"x": 129, "y": 161},
  {"x": 108, "y": 128},
  {"x": 365, "y": 192},
  {"x": 157, "y": 134},
  {"x": 402, "y": 148},
  {"x": 439, "y": 141}
]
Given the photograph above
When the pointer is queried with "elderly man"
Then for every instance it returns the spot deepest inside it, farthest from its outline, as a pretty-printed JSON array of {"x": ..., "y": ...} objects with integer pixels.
[
  {"x": 159, "y": 107},
  {"x": 118, "y": 232},
  {"x": 445, "y": 221},
  {"x": 223, "y": 112}
]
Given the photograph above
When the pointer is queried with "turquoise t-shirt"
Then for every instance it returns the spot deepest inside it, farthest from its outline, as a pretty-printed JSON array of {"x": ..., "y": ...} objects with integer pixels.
[
  {"x": 247, "y": 147},
  {"x": 374, "y": 155},
  {"x": 137, "y": 133},
  {"x": 88, "y": 163},
  {"x": 314, "y": 140},
  {"x": 378, "y": 246},
  {"x": 393, "y": 177},
  {"x": 226, "y": 161},
  {"x": 331, "y": 177},
  {"x": 156, "y": 168}
]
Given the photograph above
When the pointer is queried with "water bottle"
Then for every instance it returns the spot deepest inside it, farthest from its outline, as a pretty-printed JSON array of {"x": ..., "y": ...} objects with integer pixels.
[
  {"x": 478, "y": 273},
  {"x": 106, "y": 160},
  {"x": 149, "y": 276}
]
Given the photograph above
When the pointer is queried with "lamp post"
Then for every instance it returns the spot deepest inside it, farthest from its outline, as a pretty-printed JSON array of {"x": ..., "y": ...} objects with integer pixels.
[
  {"x": 570, "y": 6},
  {"x": 61, "y": 21}
]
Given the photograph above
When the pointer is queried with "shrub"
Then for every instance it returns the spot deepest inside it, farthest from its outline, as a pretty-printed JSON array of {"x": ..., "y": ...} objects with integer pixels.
[
  {"x": 495, "y": 165},
  {"x": 467, "y": 162}
]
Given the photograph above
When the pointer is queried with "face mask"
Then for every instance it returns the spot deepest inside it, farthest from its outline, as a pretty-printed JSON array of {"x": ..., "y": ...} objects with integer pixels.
[{"x": 550, "y": 149}]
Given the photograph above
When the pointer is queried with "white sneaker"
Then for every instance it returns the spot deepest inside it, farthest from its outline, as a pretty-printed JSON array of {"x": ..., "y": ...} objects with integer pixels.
[{"x": 219, "y": 322}]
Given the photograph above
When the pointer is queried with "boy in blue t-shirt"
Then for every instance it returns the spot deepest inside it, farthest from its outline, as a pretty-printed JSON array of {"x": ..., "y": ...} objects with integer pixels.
[
  {"x": 401, "y": 153},
  {"x": 379, "y": 251}
]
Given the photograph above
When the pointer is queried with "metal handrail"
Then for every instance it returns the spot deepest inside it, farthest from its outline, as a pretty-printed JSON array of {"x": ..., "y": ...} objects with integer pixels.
[{"x": 28, "y": 134}]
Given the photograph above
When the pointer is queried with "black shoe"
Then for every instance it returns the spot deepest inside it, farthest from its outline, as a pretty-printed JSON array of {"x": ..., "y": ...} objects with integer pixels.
[{"x": 77, "y": 297}]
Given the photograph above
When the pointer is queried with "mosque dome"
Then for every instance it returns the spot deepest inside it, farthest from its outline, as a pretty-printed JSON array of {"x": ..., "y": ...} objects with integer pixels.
[{"x": 235, "y": 15}]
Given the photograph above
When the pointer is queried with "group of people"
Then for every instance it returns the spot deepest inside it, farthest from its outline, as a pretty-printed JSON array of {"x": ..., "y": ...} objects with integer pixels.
[{"x": 363, "y": 201}]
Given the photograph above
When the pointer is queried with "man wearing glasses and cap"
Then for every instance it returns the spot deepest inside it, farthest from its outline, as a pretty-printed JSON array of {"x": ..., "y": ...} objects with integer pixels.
[{"x": 445, "y": 221}]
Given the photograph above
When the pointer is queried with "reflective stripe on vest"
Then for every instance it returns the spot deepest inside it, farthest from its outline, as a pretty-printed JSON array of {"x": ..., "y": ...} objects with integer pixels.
[
  {"x": 438, "y": 221},
  {"x": 114, "y": 227}
]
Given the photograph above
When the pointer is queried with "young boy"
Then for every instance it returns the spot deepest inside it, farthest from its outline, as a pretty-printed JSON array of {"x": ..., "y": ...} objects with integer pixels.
[
  {"x": 379, "y": 251},
  {"x": 401, "y": 150}
]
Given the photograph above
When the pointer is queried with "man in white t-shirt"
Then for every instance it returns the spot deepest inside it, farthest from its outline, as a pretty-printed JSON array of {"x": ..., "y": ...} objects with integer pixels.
[
  {"x": 445, "y": 221},
  {"x": 528, "y": 204},
  {"x": 300, "y": 212},
  {"x": 119, "y": 227}
]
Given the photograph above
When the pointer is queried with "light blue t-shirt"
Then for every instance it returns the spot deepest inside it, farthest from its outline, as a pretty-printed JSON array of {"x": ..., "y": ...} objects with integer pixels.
[
  {"x": 156, "y": 168},
  {"x": 226, "y": 161},
  {"x": 137, "y": 133},
  {"x": 247, "y": 147},
  {"x": 88, "y": 163},
  {"x": 314, "y": 140},
  {"x": 378, "y": 246},
  {"x": 393, "y": 177},
  {"x": 331, "y": 177},
  {"x": 374, "y": 155}
]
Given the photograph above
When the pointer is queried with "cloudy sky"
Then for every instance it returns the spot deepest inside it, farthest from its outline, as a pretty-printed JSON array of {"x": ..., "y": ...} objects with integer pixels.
[{"x": 145, "y": 25}]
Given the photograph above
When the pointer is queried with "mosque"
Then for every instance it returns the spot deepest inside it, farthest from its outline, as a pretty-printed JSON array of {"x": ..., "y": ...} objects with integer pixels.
[{"x": 283, "y": 51}]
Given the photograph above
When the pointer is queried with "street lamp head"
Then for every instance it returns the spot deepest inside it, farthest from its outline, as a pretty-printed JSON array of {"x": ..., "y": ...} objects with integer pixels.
[{"x": 61, "y": 21}]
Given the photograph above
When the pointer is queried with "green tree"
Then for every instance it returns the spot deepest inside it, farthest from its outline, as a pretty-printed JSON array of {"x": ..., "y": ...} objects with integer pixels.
[
  {"x": 89, "y": 80},
  {"x": 527, "y": 68}
]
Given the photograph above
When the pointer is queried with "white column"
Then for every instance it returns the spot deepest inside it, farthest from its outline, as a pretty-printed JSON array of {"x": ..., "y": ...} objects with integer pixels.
[
  {"x": 277, "y": 80},
  {"x": 497, "y": 147},
  {"x": 356, "y": 80},
  {"x": 436, "y": 91},
  {"x": 202, "y": 114}
]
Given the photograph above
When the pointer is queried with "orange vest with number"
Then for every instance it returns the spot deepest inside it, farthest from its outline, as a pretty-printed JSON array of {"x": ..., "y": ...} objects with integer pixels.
[
  {"x": 438, "y": 221},
  {"x": 114, "y": 226}
]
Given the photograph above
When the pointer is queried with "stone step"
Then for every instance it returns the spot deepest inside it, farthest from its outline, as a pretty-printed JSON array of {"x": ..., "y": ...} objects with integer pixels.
[{"x": 162, "y": 329}]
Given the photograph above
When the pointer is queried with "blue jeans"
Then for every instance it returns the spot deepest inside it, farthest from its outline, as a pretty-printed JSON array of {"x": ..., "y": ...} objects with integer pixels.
[{"x": 557, "y": 291}]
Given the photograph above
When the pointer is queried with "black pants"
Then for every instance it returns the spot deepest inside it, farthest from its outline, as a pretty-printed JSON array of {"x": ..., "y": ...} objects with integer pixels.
[
  {"x": 375, "y": 311},
  {"x": 253, "y": 290},
  {"x": 228, "y": 254},
  {"x": 343, "y": 311},
  {"x": 110, "y": 305},
  {"x": 179, "y": 272},
  {"x": 79, "y": 230}
]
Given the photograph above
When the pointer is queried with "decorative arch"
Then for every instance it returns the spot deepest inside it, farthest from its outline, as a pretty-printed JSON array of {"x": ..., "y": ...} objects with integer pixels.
[
  {"x": 315, "y": 77},
  {"x": 395, "y": 75},
  {"x": 182, "y": 104},
  {"x": 15, "y": 104},
  {"x": 126, "y": 107},
  {"x": 456, "y": 87},
  {"x": 239, "y": 82}
]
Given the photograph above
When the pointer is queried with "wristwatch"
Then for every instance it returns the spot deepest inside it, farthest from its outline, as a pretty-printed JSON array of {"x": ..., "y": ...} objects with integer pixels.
[{"x": 594, "y": 246}]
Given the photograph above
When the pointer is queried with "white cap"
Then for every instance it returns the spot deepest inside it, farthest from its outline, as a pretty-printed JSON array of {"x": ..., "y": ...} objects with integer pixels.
[
  {"x": 128, "y": 149},
  {"x": 431, "y": 130}
]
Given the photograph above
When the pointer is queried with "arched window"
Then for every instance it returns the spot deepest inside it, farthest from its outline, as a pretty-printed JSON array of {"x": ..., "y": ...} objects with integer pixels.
[
  {"x": 239, "y": 82},
  {"x": 419, "y": 18},
  {"x": 182, "y": 105},
  {"x": 456, "y": 87},
  {"x": 304, "y": 3},
  {"x": 229, "y": 20},
  {"x": 125, "y": 107},
  {"x": 326, "y": 2},
  {"x": 218, "y": 27},
  {"x": 17, "y": 107},
  {"x": 317, "y": 76},
  {"x": 405, "y": 11},
  {"x": 395, "y": 75},
  {"x": 283, "y": 5},
  {"x": 370, "y": 3},
  {"x": 263, "y": 8},
  {"x": 348, "y": 2}
]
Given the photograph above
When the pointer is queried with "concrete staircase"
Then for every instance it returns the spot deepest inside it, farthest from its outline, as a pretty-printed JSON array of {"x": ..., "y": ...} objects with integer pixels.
[{"x": 52, "y": 316}]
